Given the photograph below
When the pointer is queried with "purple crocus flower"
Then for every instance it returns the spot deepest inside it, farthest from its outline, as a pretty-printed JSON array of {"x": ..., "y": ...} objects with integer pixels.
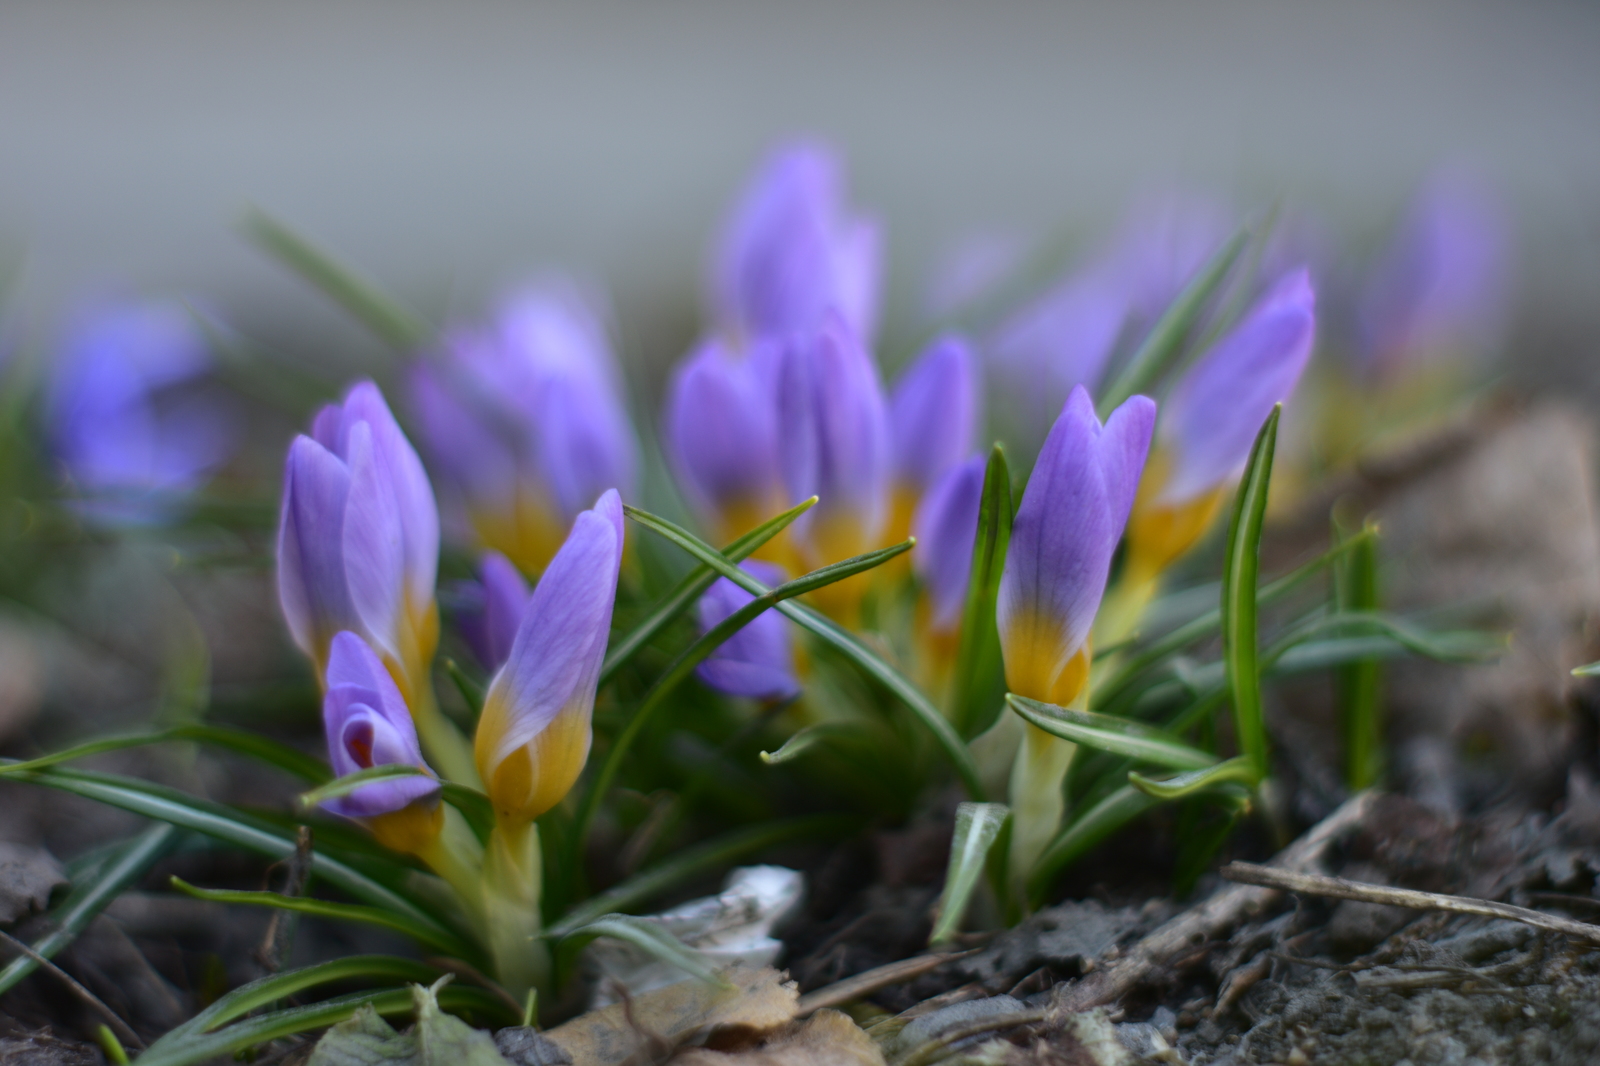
[
  {"x": 933, "y": 415},
  {"x": 367, "y": 724},
  {"x": 534, "y": 735},
  {"x": 1164, "y": 242},
  {"x": 946, "y": 525},
  {"x": 791, "y": 250},
  {"x": 1441, "y": 287},
  {"x": 358, "y": 536},
  {"x": 721, "y": 435},
  {"x": 525, "y": 421},
  {"x": 498, "y": 599},
  {"x": 833, "y": 442},
  {"x": 106, "y": 425},
  {"x": 758, "y": 661},
  {"x": 1066, "y": 530}
]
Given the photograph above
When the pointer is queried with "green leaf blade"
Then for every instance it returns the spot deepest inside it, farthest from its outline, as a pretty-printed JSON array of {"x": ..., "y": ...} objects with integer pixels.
[
  {"x": 1240, "y": 770},
  {"x": 978, "y": 683},
  {"x": 1240, "y": 571},
  {"x": 977, "y": 827},
  {"x": 1119, "y": 736}
]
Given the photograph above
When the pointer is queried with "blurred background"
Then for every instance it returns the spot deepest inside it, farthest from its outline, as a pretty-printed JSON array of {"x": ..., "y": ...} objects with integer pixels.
[{"x": 447, "y": 149}]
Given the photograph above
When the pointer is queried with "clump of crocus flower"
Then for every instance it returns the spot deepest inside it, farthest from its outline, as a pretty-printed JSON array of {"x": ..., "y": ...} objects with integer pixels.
[
  {"x": 525, "y": 421},
  {"x": 758, "y": 661}
]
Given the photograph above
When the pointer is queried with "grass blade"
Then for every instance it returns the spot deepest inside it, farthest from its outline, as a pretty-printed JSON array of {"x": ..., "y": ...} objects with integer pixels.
[
  {"x": 385, "y": 317},
  {"x": 1241, "y": 769},
  {"x": 692, "y": 586},
  {"x": 269, "y": 990},
  {"x": 104, "y": 884},
  {"x": 978, "y": 684},
  {"x": 268, "y": 751},
  {"x": 1240, "y": 568},
  {"x": 699, "y": 651},
  {"x": 343, "y": 786},
  {"x": 649, "y": 937},
  {"x": 1120, "y": 736},
  {"x": 696, "y": 860},
  {"x": 1359, "y": 683},
  {"x": 948, "y": 739},
  {"x": 977, "y": 827},
  {"x": 321, "y": 908},
  {"x": 1083, "y": 833},
  {"x": 812, "y": 735},
  {"x": 1166, "y": 337}
]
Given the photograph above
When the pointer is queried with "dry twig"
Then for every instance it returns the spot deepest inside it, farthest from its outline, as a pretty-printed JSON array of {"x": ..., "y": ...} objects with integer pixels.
[
  {"x": 1339, "y": 888},
  {"x": 123, "y": 1030},
  {"x": 870, "y": 981},
  {"x": 280, "y": 927}
]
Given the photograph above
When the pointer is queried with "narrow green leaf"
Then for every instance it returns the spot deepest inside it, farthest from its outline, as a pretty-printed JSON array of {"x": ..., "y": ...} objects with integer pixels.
[
  {"x": 1586, "y": 670},
  {"x": 978, "y": 684},
  {"x": 948, "y": 739},
  {"x": 700, "y": 650},
  {"x": 321, "y": 908},
  {"x": 474, "y": 806},
  {"x": 347, "y": 784},
  {"x": 471, "y": 692},
  {"x": 88, "y": 897},
  {"x": 268, "y": 751},
  {"x": 1082, "y": 833},
  {"x": 1240, "y": 769},
  {"x": 977, "y": 826},
  {"x": 1240, "y": 567},
  {"x": 650, "y": 938},
  {"x": 690, "y": 862},
  {"x": 1120, "y": 736},
  {"x": 385, "y": 317},
  {"x": 692, "y": 586},
  {"x": 231, "y": 826},
  {"x": 805, "y": 739},
  {"x": 1166, "y": 337}
]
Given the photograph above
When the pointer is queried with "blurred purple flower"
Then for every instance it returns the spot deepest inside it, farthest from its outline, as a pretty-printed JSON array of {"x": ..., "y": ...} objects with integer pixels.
[
  {"x": 1442, "y": 286},
  {"x": 946, "y": 525},
  {"x": 533, "y": 737},
  {"x": 791, "y": 250},
  {"x": 114, "y": 434},
  {"x": 758, "y": 661},
  {"x": 933, "y": 414},
  {"x": 496, "y": 603},
  {"x": 1162, "y": 244},
  {"x": 526, "y": 421},
  {"x": 1066, "y": 531},
  {"x": 358, "y": 536},
  {"x": 721, "y": 435},
  {"x": 367, "y": 724}
]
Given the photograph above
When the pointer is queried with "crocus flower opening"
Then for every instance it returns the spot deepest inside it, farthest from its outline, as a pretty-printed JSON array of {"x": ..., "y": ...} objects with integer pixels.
[
  {"x": 534, "y": 735},
  {"x": 1066, "y": 530},
  {"x": 758, "y": 661},
  {"x": 1440, "y": 290},
  {"x": 526, "y": 423},
  {"x": 368, "y": 724},
  {"x": 721, "y": 435},
  {"x": 115, "y": 440},
  {"x": 833, "y": 443},
  {"x": 358, "y": 538},
  {"x": 499, "y": 599},
  {"x": 791, "y": 250},
  {"x": 933, "y": 421},
  {"x": 1209, "y": 424}
]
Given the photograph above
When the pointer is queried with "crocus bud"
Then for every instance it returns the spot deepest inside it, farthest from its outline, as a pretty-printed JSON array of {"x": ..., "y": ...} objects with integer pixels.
[
  {"x": 1440, "y": 289},
  {"x": 499, "y": 598},
  {"x": 534, "y": 735},
  {"x": 1212, "y": 418},
  {"x": 368, "y": 724},
  {"x": 358, "y": 537},
  {"x": 116, "y": 441},
  {"x": 758, "y": 661},
  {"x": 791, "y": 250},
  {"x": 721, "y": 435},
  {"x": 933, "y": 419},
  {"x": 526, "y": 423},
  {"x": 833, "y": 442},
  {"x": 946, "y": 526},
  {"x": 1065, "y": 533}
]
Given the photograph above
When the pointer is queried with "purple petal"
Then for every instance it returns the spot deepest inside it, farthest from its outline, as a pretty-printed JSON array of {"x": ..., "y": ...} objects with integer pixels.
[
  {"x": 946, "y": 526},
  {"x": 1162, "y": 245},
  {"x": 504, "y": 601},
  {"x": 1217, "y": 410},
  {"x": 933, "y": 413},
  {"x": 465, "y": 447},
  {"x": 1070, "y": 520},
  {"x": 833, "y": 434},
  {"x": 555, "y": 659},
  {"x": 757, "y": 662},
  {"x": 721, "y": 429},
  {"x": 373, "y": 544},
  {"x": 311, "y": 579},
  {"x": 367, "y": 724}
]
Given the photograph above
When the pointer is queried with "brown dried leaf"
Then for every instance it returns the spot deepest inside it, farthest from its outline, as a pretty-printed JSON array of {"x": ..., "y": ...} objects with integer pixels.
[{"x": 827, "y": 1038}]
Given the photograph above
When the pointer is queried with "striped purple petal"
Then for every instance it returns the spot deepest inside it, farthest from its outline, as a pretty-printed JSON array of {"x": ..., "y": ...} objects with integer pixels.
[{"x": 367, "y": 724}]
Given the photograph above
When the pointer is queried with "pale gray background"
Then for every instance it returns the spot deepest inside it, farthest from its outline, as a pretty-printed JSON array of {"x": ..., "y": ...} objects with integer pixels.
[{"x": 447, "y": 147}]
